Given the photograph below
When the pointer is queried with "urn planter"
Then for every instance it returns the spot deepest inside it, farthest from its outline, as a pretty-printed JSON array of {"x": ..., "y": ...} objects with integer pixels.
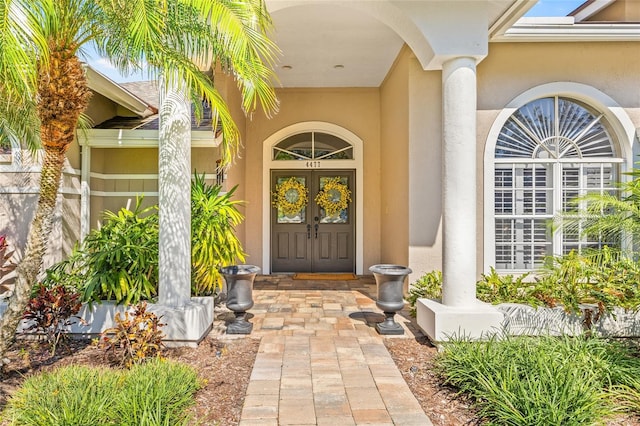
[
  {"x": 390, "y": 284},
  {"x": 239, "y": 282}
]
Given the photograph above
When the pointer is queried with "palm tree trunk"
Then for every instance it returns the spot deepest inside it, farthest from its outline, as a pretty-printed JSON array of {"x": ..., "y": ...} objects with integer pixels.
[
  {"x": 29, "y": 267},
  {"x": 63, "y": 95}
]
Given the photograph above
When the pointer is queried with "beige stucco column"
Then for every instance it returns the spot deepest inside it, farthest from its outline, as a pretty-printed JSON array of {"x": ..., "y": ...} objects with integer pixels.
[
  {"x": 460, "y": 313},
  {"x": 174, "y": 196},
  {"x": 459, "y": 182}
]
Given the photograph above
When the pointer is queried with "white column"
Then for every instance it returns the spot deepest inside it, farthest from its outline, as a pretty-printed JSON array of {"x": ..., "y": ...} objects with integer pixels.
[
  {"x": 174, "y": 197},
  {"x": 459, "y": 182},
  {"x": 85, "y": 192}
]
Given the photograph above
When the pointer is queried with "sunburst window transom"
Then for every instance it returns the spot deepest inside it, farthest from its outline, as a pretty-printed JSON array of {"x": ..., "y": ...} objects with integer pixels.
[
  {"x": 554, "y": 128},
  {"x": 548, "y": 152}
]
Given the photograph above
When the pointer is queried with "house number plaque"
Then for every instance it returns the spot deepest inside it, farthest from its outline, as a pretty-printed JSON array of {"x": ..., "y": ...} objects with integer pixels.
[{"x": 313, "y": 164}]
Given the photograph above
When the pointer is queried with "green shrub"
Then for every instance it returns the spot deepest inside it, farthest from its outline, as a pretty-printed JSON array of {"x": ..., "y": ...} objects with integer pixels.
[
  {"x": 214, "y": 242},
  {"x": 121, "y": 258},
  {"x": 590, "y": 284},
  {"x": 119, "y": 261},
  {"x": 496, "y": 288},
  {"x": 428, "y": 286},
  {"x": 157, "y": 393},
  {"x": 587, "y": 284},
  {"x": 540, "y": 380},
  {"x": 71, "y": 396}
]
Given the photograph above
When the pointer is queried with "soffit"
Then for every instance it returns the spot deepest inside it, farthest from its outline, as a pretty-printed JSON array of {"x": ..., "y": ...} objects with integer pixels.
[
  {"x": 316, "y": 36},
  {"x": 332, "y": 46}
]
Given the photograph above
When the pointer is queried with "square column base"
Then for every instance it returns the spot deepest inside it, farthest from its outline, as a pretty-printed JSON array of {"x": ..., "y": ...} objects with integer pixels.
[
  {"x": 185, "y": 325},
  {"x": 441, "y": 323}
]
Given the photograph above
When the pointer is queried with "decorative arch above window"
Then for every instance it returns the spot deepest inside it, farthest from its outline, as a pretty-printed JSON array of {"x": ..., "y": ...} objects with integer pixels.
[
  {"x": 548, "y": 152},
  {"x": 313, "y": 146},
  {"x": 554, "y": 128}
]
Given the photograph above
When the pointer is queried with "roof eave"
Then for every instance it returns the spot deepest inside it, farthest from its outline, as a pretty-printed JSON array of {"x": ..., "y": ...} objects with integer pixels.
[
  {"x": 524, "y": 31},
  {"x": 102, "y": 84}
]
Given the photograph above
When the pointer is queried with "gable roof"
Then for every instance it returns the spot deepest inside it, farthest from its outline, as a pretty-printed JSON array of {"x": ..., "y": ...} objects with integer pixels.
[{"x": 141, "y": 98}]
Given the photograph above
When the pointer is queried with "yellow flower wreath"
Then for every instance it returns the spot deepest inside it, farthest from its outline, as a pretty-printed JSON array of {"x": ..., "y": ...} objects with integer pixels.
[
  {"x": 290, "y": 196},
  {"x": 334, "y": 197}
]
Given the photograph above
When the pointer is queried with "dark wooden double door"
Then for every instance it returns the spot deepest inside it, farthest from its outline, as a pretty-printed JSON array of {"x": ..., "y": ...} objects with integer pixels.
[{"x": 312, "y": 241}]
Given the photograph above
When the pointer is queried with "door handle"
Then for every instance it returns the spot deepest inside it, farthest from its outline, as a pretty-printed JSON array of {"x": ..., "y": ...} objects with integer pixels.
[
  {"x": 316, "y": 228},
  {"x": 308, "y": 232}
]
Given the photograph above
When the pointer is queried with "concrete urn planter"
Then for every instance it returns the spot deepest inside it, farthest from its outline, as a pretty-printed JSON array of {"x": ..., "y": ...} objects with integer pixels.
[
  {"x": 239, "y": 283},
  {"x": 390, "y": 284}
]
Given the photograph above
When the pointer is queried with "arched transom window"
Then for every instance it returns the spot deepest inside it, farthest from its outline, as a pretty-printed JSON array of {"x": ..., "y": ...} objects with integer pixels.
[
  {"x": 549, "y": 152},
  {"x": 313, "y": 146}
]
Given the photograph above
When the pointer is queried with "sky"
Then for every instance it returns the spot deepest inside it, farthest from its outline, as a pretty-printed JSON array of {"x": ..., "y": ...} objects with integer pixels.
[
  {"x": 542, "y": 8},
  {"x": 554, "y": 7}
]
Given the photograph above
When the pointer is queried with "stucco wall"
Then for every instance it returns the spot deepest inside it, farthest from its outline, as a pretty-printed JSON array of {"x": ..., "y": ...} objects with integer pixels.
[
  {"x": 357, "y": 110},
  {"x": 425, "y": 166},
  {"x": 513, "y": 68},
  {"x": 236, "y": 173},
  {"x": 394, "y": 168},
  {"x": 621, "y": 10}
]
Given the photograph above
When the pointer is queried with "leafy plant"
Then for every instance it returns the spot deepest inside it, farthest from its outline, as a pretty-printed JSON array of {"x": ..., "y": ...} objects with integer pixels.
[
  {"x": 157, "y": 393},
  {"x": 497, "y": 288},
  {"x": 607, "y": 216},
  {"x": 214, "y": 243},
  {"x": 135, "y": 338},
  {"x": 6, "y": 265},
  {"x": 588, "y": 284},
  {"x": 540, "y": 380},
  {"x": 120, "y": 260},
  {"x": 51, "y": 310},
  {"x": 428, "y": 286},
  {"x": 72, "y": 396}
]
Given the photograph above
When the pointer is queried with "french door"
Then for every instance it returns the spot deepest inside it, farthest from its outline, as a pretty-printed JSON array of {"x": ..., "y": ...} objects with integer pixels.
[{"x": 310, "y": 232}]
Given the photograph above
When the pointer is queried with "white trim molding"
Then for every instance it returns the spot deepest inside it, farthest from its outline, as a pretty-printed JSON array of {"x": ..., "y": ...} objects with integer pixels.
[
  {"x": 136, "y": 138},
  {"x": 624, "y": 133},
  {"x": 565, "y": 29},
  {"x": 269, "y": 164}
]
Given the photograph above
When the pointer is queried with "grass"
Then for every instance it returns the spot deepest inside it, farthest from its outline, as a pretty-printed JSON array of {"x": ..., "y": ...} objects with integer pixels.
[
  {"x": 544, "y": 380},
  {"x": 158, "y": 392}
]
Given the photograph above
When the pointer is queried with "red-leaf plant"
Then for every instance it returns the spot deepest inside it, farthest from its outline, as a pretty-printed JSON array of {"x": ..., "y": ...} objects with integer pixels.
[{"x": 51, "y": 310}]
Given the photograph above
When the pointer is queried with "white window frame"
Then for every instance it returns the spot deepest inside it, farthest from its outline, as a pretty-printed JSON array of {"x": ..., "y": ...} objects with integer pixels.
[{"x": 622, "y": 131}]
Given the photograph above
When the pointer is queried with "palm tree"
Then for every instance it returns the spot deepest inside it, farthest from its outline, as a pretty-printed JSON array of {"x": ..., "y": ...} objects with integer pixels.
[
  {"x": 612, "y": 217},
  {"x": 42, "y": 78}
]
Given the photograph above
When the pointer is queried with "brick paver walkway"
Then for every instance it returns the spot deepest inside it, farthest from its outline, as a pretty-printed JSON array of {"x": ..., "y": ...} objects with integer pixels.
[{"x": 321, "y": 361}]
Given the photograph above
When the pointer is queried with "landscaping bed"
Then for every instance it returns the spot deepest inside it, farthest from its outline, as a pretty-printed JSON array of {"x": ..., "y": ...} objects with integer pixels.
[{"x": 223, "y": 367}]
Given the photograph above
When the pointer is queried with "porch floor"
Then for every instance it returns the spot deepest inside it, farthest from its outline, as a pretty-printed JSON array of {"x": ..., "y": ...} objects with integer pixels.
[{"x": 321, "y": 361}]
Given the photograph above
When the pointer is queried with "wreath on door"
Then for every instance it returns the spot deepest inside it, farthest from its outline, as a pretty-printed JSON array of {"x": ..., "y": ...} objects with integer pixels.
[
  {"x": 333, "y": 197},
  {"x": 290, "y": 196}
]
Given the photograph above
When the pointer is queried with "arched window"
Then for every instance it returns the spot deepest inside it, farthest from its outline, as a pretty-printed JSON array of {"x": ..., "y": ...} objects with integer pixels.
[
  {"x": 548, "y": 152},
  {"x": 313, "y": 146}
]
